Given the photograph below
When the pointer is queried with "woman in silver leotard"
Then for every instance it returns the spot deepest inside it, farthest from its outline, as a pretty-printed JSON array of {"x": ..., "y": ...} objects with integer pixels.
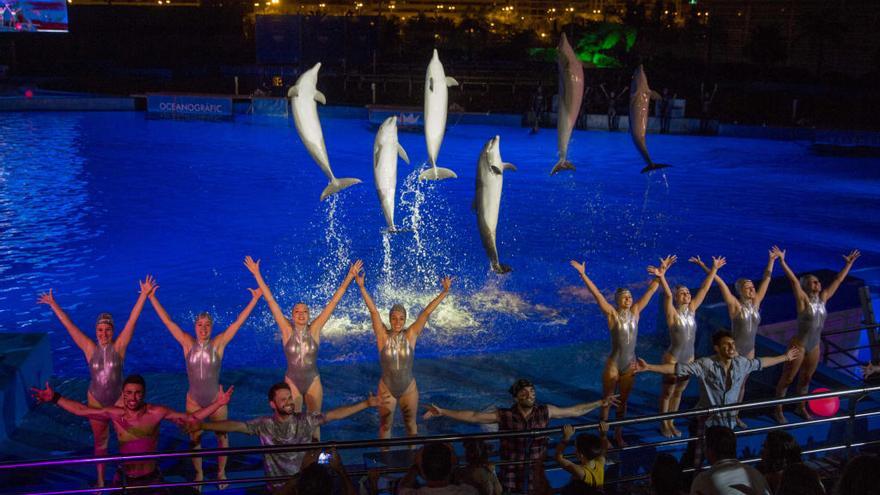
[
  {"x": 396, "y": 351},
  {"x": 811, "y": 299},
  {"x": 680, "y": 311},
  {"x": 623, "y": 325},
  {"x": 105, "y": 357},
  {"x": 745, "y": 314},
  {"x": 300, "y": 339},
  {"x": 204, "y": 356}
]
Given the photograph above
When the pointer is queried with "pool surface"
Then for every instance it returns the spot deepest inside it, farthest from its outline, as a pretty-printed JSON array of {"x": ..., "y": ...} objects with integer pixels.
[{"x": 91, "y": 202}]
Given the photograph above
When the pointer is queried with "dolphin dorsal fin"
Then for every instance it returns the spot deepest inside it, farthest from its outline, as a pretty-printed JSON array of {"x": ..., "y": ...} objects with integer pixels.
[
  {"x": 431, "y": 84},
  {"x": 508, "y": 166},
  {"x": 320, "y": 98},
  {"x": 451, "y": 82},
  {"x": 293, "y": 92},
  {"x": 655, "y": 95},
  {"x": 402, "y": 153}
]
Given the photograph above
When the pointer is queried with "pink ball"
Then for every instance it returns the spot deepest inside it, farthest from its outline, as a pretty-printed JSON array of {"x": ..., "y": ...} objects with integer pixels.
[
  {"x": 28, "y": 93},
  {"x": 824, "y": 407}
]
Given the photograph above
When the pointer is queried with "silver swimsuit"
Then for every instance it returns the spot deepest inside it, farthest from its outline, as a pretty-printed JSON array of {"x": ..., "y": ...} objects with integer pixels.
[
  {"x": 681, "y": 335},
  {"x": 810, "y": 322},
  {"x": 203, "y": 369},
  {"x": 105, "y": 366},
  {"x": 745, "y": 327},
  {"x": 302, "y": 359},
  {"x": 623, "y": 339},
  {"x": 396, "y": 359}
]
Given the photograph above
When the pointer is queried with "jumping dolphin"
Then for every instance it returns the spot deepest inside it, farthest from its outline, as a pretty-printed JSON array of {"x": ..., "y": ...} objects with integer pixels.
[
  {"x": 640, "y": 96},
  {"x": 571, "y": 92},
  {"x": 303, "y": 96},
  {"x": 487, "y": 198},
  {"x": 436, "y": 99},
  {"x": 385, "y": 151}
]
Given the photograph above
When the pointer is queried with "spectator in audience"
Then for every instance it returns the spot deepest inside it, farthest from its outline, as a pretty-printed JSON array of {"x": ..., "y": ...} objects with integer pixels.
[
  {"x": 799, "y": 479},
  {"x": 285, "y": 426},
  {"x": 136, "y": 423},
  {"x": 478, "y": 472},
  {"x": 666, "y": 475},
  {"x": 779, "y": 451},
  {"x": 525, "y": 414},
  {"x": 859, "y": 477},
  {"x": 869, "y": 369},
  {"x": 721, "y": 376},
  {"x": 727, "y": 475},
  {"x": 590, "y": 451},
  {"x": 435, "y": 463},
  {"x": 315, "y": 478}
]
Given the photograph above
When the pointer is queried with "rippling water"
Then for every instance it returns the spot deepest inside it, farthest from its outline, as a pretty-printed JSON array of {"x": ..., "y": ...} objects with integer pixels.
[{"x": 90, "y": 203}]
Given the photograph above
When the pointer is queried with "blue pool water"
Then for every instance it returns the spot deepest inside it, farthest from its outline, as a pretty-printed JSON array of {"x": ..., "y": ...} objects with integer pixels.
[{"x": 90, "y": 203}]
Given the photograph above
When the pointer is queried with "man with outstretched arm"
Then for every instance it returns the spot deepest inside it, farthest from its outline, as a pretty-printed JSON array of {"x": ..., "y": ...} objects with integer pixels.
[
  {"x": 286, "y": 426},
  {"x": 722, "y": 377},
  {"x": 136, "y": 424},
  {"x": 525, "y": 414}
]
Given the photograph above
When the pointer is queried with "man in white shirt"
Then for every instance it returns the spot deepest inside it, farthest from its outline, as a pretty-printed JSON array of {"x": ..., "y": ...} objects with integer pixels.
[{"x": 727, "y": 476}]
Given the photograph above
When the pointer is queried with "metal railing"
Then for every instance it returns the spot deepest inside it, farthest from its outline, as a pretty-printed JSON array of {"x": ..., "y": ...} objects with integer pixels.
[
  {"x": 848, "y": 442},
  {"x": 832, "y": 348}
]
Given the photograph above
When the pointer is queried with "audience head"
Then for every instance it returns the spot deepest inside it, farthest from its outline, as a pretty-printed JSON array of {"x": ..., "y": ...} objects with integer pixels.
[
  {"x": 666, "y": 475},
  {"x": 437, "y": 461},
  {"x": 798, "y": 479},
  {"x": 720, "y": 443},
  {"x": 315, "y": 480},
  {"x": 588, "y": 446},
  {"x": 780, "y": 450},
  {"x": 476, "y": 452},
  {"x": 859, "y": 477}
]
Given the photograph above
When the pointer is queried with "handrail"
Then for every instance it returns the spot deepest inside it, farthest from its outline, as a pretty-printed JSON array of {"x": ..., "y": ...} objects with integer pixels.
[
  {"x": 378, "y": 443},
  {"x": 858, "y": 328},
  {"x": 397, "y": 442}
]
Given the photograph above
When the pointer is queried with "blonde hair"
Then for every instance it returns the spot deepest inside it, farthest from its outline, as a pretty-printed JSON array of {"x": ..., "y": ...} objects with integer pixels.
[{"x": 105, "y": 318}]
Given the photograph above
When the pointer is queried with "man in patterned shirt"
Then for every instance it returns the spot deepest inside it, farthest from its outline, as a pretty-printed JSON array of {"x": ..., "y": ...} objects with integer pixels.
[
  {"x": 286, "y": 427},
  {"x": 525, "y": 414}
]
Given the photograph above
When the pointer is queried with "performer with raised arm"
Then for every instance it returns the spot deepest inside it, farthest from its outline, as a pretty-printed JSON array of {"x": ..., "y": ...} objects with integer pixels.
[
  {"x": 680, "y": 310},
  {"x": 745, "y": 313},
  {"x": 721, "y": 378},
  {"x": 525, "y": 414},
  {"x": 397, "y": 346},
  {"x": 204, "y": 356},
  {"x": 136, "y": 423},
  {"x": 810, "y": 298},
  {"x": 623, "y": 325},
  {"x": 105, "y": 357},
  {"x": 286, "y": 426},
  {"x": 301, "y": 338}
]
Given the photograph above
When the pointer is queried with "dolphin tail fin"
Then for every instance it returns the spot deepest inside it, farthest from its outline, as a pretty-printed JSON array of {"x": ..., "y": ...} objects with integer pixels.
[
  {"x": 437, "y": 173},
  {"x": 654, "y": 166},
  {"x": 561, "y": 165},
  {"x": 337, "y": 185},
  {"x": 501, "y": 268}
]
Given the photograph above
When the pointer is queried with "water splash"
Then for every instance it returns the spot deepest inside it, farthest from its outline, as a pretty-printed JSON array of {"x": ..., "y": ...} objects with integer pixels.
[
  {"x": 387, "y": 278},
  {"x": 337, "y": 249}
]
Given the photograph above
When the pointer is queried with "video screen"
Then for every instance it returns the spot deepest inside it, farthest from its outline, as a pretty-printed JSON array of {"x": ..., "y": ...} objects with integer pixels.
[{"x": 33, "y": 16}]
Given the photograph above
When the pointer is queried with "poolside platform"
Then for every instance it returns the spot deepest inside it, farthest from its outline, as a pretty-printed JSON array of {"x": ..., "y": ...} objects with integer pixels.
[{"x": 563, "y": 376}]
